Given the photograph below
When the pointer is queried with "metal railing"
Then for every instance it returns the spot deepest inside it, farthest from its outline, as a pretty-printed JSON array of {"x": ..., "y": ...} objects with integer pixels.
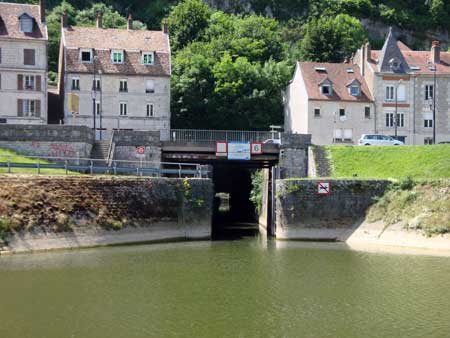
[
  {"x": 70, "y": 165},
  {"x": 221, "y": 135}
]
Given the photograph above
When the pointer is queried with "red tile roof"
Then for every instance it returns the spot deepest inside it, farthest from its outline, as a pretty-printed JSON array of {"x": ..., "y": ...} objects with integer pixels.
[
  {"x": 103, "y": 41},
  {"x": 337, "y": 73},
  {"x": 9, "y": 22}
]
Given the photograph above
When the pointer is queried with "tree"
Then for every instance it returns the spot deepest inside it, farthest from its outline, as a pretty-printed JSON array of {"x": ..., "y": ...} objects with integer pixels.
[
  {"x": 187, "y": 21},
  {"x": 331, "y": 39}
]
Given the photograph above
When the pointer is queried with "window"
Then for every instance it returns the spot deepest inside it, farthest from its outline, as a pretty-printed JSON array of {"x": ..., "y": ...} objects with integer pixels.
[
  {"x": 355, "y": 90},
  {"x": 428, "y": 140},
  {"x": 0, "y": 55},
  {"x": 149, "y": 110},
  {"x": 97, "y": 107},
  {"x": 390, "y": 120},
  {"x": 338, "y": 134},
  {"x": 117, "y": 56},
  {"x": 147, "y": 58},
  {"x": 29, "y": 57},
  {"x": 367, "y": 112},
  {"x": 390, "y": 93},
  {"x": 341, "y": 112},
  {"x": 401, "y": 93},
  {"x": 429, "y": 92},
  {"x": 348, "y": 134},
  {"x": 86, "y": 55},
  {"x": 428, "y": 123},
  {"x": 75, "y": 83},
  {"x": 326, "y": 89},
  {"x": 29, "y": 107},
  {"x": 96, "y": 84},
  {"x": 29, "y": 82},
  {"x": 316, "y": 112},
  {"x": 26, "y": 23},
  {"x": 123, "y": 86},
  {"x": 123, "y": 109},
  {"x": 150, "y": 86}
]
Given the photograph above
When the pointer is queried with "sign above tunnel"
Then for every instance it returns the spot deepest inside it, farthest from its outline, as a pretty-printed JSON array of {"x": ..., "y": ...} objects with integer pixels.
[{"x": 239, "y": 151}]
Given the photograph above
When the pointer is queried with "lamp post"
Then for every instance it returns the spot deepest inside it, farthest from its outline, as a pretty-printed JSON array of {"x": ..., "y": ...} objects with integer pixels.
[
  {"x": 396, "y": 107},
  {"x": 101, "y": 103},
  {"x": 94, "y": 96},
  {"x": 433, "y": 69}
]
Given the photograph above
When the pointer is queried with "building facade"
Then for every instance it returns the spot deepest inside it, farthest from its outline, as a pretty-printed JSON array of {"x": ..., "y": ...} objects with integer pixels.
[
  {"x": 23, "y": 64},
  {"x": 119, "y": 77},
  {"x": 410, "y": 85},
  {"x": 329, "y": 101}
]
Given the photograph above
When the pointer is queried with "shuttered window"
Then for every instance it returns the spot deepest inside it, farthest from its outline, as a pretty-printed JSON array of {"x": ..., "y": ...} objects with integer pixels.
[
  {"x": 28, "y": 108},
  {"x": 150, "y": 86},
  {"x": 29, "y": 57}
]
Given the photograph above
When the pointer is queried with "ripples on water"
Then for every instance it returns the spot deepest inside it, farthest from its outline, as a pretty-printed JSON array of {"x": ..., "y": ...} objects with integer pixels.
[{"x": 248, "y": 288}]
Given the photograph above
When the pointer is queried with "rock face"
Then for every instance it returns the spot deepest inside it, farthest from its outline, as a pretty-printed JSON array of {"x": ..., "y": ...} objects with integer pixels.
[{"x": 74, "y": 205}]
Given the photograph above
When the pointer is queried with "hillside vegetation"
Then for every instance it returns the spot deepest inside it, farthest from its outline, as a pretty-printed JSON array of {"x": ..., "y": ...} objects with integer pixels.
[{"x": 416, "y": 162}]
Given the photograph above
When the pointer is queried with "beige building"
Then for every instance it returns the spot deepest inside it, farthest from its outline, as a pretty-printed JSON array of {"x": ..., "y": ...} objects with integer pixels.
[
  {"x": 23, "y": 64},
  {"x": 408, "y": 82},
  {"x": 329, "y": 101},
  {"x": 122, "y": 74}
]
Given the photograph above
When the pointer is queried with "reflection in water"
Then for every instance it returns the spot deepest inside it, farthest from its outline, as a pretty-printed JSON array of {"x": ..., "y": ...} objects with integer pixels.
[{"x": 246, "y": 288}]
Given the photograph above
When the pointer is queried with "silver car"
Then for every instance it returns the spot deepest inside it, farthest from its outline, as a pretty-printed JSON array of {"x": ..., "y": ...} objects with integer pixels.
[{"x": 378, "y": 140}]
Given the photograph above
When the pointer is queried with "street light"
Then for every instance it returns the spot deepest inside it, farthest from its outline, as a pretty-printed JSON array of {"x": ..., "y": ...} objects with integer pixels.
[
  {"x": 433, "y": 69},
  {"x": 101, "y": 102},
  {"x": 396, "y": 107},
  {"x": 94, "y": 96}
]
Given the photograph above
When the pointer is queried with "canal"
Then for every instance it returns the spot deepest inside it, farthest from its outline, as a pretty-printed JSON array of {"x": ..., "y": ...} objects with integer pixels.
[{"x": 243, "y": 288}]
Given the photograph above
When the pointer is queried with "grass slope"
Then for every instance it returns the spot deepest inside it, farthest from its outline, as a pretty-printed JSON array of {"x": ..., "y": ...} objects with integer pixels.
[
  {"x": 14, "y": 157},
  {"x": 417, "y": 162}
]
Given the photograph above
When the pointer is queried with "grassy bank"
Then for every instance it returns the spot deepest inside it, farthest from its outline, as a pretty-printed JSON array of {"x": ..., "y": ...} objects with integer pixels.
[
  {"x": 417, "y": 162},
  {"x": 421, "y": 206},
  {"x": 6, "y": 154}
]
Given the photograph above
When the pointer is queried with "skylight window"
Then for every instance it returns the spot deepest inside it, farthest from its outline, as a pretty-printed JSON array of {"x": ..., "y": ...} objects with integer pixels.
[
  {"x": 350, "y": 70},
  {"x": 414, "y": 68},
  {"x": 320, "y": 69}
]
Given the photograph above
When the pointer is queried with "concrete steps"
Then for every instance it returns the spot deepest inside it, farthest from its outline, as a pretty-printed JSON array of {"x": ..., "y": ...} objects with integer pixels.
[
  {"x": 322, "y": 163},
  {"x": 100, "y": 150}
]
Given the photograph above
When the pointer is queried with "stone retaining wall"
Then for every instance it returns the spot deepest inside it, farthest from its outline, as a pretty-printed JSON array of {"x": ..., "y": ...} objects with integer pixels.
[{"x": 301, "y": 213}]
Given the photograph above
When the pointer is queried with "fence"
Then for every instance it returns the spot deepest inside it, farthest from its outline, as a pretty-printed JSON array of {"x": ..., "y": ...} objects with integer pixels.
[
  {"x": 69, "y": 165},
  {"x": 221, "y": 135}
]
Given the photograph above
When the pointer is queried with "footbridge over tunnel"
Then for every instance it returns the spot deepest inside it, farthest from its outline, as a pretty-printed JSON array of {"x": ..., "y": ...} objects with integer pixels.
[{"x": 232, "y": 157}]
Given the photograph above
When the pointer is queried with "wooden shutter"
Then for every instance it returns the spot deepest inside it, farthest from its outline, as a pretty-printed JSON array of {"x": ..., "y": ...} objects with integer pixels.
[
  {"x": 19, "y": 107},
  {"x": 20, "y": 82},
  {"x": 29, "y": 57},
  {"x": 38, "y": 108},
  {"x": 38, "y": 83}
]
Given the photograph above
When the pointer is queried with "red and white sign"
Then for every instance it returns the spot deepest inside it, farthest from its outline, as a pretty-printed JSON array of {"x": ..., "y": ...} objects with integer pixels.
[
  {"x": 323, "y": 188},
  {"x": 140, "y": 151},
  {"x": 221, "y": 148},
  {"x": 256, "y": 148}
]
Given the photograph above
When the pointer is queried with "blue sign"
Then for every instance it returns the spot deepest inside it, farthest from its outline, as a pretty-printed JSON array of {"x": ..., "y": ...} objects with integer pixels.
[{"x": 239, "y": 151}]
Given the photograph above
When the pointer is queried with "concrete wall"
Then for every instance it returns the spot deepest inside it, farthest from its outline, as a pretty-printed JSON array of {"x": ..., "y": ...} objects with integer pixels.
[
  {"x": 110, "y": 99},
  {"x": 11, "y": 65},
  {"x": 126, "y": 143},
  {"x": 303, "y": 214},
  {"x": 101, "y": 211},
  {"x": 47, "y": 140},
  {"x": 294, "y": 155}
]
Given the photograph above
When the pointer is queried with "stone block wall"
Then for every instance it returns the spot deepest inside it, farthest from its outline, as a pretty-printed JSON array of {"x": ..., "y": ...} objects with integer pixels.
[
  {"x": 301, "y": 212},
  {"x": 47, "y": 140},
  {"x": 294, "y": 155}
]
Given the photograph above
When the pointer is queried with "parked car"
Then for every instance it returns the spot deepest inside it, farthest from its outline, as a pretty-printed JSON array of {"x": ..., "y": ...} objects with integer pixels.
[
  {"x": 444, "y": 142},
  {"x": 378, "y": 140}
]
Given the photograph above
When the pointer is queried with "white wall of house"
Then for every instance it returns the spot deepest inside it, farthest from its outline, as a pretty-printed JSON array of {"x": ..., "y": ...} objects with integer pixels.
[
  {"x": 12, "y": 65},
  {"x": 110, "y": 100}
]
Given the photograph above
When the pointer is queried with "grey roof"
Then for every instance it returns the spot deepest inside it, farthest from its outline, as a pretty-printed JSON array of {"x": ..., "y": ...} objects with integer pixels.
[{"x": 391, "y": 51}]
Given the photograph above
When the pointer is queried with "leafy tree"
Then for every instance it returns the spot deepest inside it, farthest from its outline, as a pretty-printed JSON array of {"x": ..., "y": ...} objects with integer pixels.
[
  {"x": 187, "y": 21},
  {"x": 110, "y": 19},
  {"x": 331, "y": 39}
]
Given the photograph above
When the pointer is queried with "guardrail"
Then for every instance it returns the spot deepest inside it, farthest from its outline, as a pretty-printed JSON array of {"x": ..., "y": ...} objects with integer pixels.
[
  {"x": 221, "y": 135},
  {"x": 71, "y": 165}
]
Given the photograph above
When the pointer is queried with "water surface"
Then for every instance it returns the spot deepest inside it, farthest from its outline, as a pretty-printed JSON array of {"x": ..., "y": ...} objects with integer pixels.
[{"x": 245, "y": 288}]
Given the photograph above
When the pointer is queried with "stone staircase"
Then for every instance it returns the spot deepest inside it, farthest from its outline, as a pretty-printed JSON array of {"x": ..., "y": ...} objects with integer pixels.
[
  {"x": 322, "y": 163},
  {"x": 100, "y": 150}
]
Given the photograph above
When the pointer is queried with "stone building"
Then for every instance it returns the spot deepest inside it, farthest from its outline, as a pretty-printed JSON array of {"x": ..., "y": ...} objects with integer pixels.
[
  {"x": 122, "y": 74},
  {"x": 330, "y": 101},
  {"x": 23, "y": 64},
  {"x": 408, "y": 82}
]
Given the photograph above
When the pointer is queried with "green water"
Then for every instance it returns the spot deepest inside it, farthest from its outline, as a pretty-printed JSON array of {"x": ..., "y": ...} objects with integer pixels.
[{"x": 246, "y": 288}]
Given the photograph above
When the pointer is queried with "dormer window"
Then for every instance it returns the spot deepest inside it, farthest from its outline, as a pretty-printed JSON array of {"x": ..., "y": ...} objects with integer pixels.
[
  {"x": 147, "y": 58},
  {"x": 394, "y": 63},
  {"x": 117, "y": 56},
  {"x": 355, "y": 90},
  {"x": 326, "y": 87},
  {"x": 86, "y": 55},
  {"x": 26, "y": 23}
]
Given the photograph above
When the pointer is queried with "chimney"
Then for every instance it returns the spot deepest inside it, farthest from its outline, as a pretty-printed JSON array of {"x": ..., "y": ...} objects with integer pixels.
[
  {"x": 130, "y": 23},
  {"x": 368, "y": 51},
  {"x": 435, "y": 52},
  {"x": 64, "y": 21},
  {"x": 99, "y": 19},
  {"x": 165, "y": 27},
  {"x": 42, "y": 10}
]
